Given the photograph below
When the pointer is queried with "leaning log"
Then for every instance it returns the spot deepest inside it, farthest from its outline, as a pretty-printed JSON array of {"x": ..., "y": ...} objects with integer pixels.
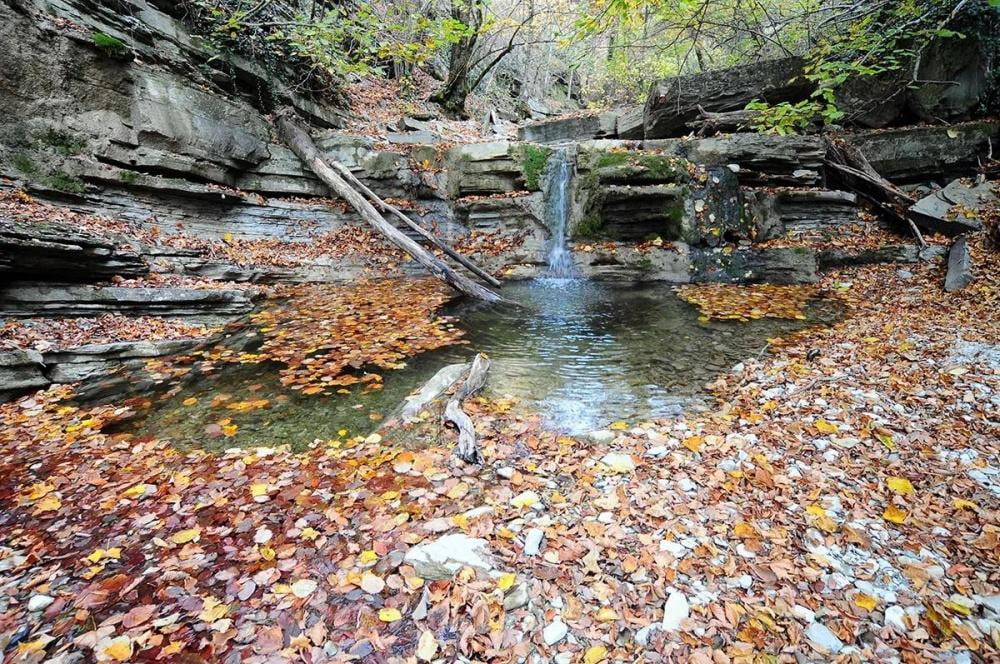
[
  {"x": 302, "y": 145},
  {"x": 673, "y": 102},
  {"x": 417, "y": 228},
  {"x": 467, "y": 450}
]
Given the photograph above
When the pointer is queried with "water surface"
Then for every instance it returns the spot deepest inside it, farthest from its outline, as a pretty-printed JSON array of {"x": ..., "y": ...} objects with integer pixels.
[{"x": 581, "y": 353}]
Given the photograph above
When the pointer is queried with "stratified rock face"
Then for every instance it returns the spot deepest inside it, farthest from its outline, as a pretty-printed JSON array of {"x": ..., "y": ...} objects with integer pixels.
[
  {"x": 572, "y": 128},
  {"x": 69, "y": 301},
  {"x": 673, "y": 102},
  {"x": 796, "y": 265},
  {"x": 959, "y": 69},
  {"x": 47, "y": 250},
  {"x": 910, "y": 154}
]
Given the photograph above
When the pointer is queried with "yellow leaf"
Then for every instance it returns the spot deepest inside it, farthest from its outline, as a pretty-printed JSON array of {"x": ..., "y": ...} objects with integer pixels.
[
  {"x": 48, "y": 504},
  {"x": 190, "y": 401},
  {"x": 97, "y": 555},
  {"x": 595, "y": 655},
  {"x": 120, "y": 649},
  {"x": 229, "y": 430},
  {"x": 461, "y": 521},
  {"x": 894, "y": 514},
  {"x": 114, "y": 552},
  {"x": 526, "y": 499},
  {"x": 505, "y": 581},
  {"x": 693, "y": 443},
  {"x": 427, "y": 646},
  {"x": 745, "y": 530},
  {"x": 458, "y": 490},
  {"x": 227, "y": 237},
  {"x": 367, "y": 557},
  {"x": 960, "y": 503},
  {"x": 955, "y": 607},
  {"x": 618, "y": 426},
  {"x": 309, "y": 533},
  {"x": 825, "y": 427},
  {"x": 606, "y": 614},
  {"x": 886, "y": 440},
  {"x": 900, "y": 485},
  {"x": 303, "y": 588},
  {"x": 185, "y": 536},
  {"x": 134, "y": 491},
  {"x": 212, "y": 610},
  {"x": 389, "y": 615},
  {"x": 258, "y": 490},
  {"x": 267, "y": 553},
  {"x": 816, "y": 510},
  {"x": 174, "y": 648},
  {"x": 866, "y": 602},
  {"x": 40, "y": 489}
]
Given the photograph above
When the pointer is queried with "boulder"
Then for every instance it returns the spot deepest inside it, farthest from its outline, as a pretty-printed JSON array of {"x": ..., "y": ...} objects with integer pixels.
[
  {"x": 959, "y": 266},
  {"x": 953, "y": 209},
  {"x": 673, "y": 102},
  {"x": 959, "y": 68},
  {"x": 444, "y": 557},
  {"x": 570, "y": 128},
  {"x": 780, "y": 265}
]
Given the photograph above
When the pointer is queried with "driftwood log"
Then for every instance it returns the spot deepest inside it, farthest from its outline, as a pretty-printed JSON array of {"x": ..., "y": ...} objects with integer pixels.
[
  {"x": 302, "y": 145},
  {"x": 708, "y": 122},
  {"x": 420, "y": 230},
  {"x": 468, "y": 449},
  {"x": 439, "y": 383}
]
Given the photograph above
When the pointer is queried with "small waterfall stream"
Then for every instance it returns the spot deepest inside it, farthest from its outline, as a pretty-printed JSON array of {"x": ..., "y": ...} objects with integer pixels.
[{"x": 558, "y": 176}]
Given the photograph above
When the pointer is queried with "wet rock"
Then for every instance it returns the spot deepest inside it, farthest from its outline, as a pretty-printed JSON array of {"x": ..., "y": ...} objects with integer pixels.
[
  {"x": 554, "y": 632},
  {"x": 959, "y": 266},
  {"x": 675, "y": 611},
  {"x": 533, "y": 541},
  {"x": 822, "y": 639},
  {"x": 445, "y": 556},
  {"x": 39, "y": 602}
]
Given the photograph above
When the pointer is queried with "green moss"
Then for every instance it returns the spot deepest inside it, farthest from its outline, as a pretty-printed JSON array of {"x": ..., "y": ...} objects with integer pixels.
[
  {"x": 128, "y": 177},
  {"x": 62, "y": 181},
  {"x": 24, "y": 164},
  {"x": 611, "y": 159},
  {"x": 61, "y": 142},
  {"x": 639, "y": 167},
  {"x": 109, "y": 44},
  {"x": 590, "y": 226},
  {"x": 533, "y": 158}
]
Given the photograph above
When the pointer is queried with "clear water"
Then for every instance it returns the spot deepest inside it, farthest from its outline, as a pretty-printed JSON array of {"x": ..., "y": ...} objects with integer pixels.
[
  {"x": 583, "y": 354},
  {"x": 559, "y": 174}
]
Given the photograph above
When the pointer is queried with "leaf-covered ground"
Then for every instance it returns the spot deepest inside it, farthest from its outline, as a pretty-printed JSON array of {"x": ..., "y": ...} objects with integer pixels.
[{"x": 844, "y": 494}]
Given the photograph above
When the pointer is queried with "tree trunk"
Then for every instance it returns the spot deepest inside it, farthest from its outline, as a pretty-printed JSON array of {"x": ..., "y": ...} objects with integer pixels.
[
  {"x": 467, "y": 450},
  {"x": 456, "y": 87},
  {"x": 302, "y": 145}
]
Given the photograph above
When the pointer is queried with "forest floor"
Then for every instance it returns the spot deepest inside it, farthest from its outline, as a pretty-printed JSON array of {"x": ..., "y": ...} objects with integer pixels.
[{"x": 842, "y": 497}]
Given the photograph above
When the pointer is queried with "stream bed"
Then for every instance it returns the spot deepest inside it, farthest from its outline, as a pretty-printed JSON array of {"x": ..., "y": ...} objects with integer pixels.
[{"x": 581, "y": 353}]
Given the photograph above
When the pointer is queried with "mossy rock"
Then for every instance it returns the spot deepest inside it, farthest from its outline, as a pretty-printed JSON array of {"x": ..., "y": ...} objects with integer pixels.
[
  {"x": 532, "y": 160},
  {"x": 635, "y": 167}
]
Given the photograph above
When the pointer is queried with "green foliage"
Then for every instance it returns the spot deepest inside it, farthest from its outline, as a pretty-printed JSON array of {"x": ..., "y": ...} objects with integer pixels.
[
  {"x": 62, "y": 181},
  {"x": 59, "y": 141},
  {"x": 533, "y": 159},
  {"x": 129, "y": 177},
  {"x": 109, "y": 44},
  {"x": 590, "y": 226},
  {"x": 25, "y": 164}
]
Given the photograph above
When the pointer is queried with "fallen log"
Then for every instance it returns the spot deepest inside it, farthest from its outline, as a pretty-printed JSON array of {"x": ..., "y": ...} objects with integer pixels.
[
  {"x": 302, "y": 145},
  {"x": 420, "y": 230},
  {"x": 467, "y": 450},
  {"x": 859, "y": 175},
  {"x": 729, "y": 121},
  {"x": 431, "y": 390}
]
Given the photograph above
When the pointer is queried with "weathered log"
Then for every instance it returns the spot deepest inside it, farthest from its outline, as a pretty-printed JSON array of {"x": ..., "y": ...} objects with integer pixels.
[
  {"x": 431, "y": 390},
  {"x": 674, "y": 102},
  {"x": 417, "y": 228},
  {"x": 302, "y": 145},
  {"x": 858, "y": 174},
  {"x": 467, "y": 450},
  {"x": 729, "y": 121}
]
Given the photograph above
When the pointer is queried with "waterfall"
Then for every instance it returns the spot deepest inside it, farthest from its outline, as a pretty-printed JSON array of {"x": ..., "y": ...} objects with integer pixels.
[{"x": 558, "y": 174}]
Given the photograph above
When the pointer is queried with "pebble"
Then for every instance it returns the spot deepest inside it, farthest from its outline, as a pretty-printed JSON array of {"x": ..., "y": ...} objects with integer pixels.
[
  {"x": 657, "y": 452},
  {"x": 675, "y": 610},
  {"x": 643, "y": 635},
  {"x": 894, "y": 618},
  {"x": 533, "y": 541},
  {"x": 40, "y": 602},
  {"x": 676, "y": 549},
  {"x": 823, "y": 639},
  {"x": 516, "y": 598},
  {"x": 744, "y": 581},
  {"x": 619, "y": 463},
  {"x": 685, "y": 485},
  {"x": 803, "y": 613},
  {"x": 505, "y": 472},
  {"x": 554, "y": 632}
]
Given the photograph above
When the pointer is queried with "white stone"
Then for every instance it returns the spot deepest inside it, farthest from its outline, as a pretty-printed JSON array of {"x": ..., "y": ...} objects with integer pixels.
[
  {"x": 822, "y": 639},
  {"x": 563, "y": 658},
  {"x": 516, "y": 598},
  {"x": 533, "y": 541},
  {"x": 477, "y": 512},
  {"x": 685, "y": 485},
  {"x": 744, "y": 581},
  {"x": 554, "y": 632},
  {"x": 675, "y": 610},
  {"x": 602, "y": 437},
  {"x": 505, "y": 472},
  {"x": 643, "y": 636},
  {"x": 657, "y": 452},
  {"x": 676, "y": 549},
  {"x": 619, "y": 463},
  {"x": 803, "y": 613},
  {"x": 39, "y": 602},
  {"x": 991, "y": 602},
  {"x": 894, "y": 618},
  {"x": 445, "y": 556}
]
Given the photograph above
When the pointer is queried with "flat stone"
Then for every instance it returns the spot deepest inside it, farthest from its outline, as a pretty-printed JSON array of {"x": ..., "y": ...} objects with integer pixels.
[
  {"x": 894, "y": 618},
  {"x": 619, "y": 463},
  {"x": 959, "y": 266},
  {"x": 533, "y": 541},
  {"x": 39, "y": 602},
  {"x": 505, "y": 472},
  {"x": 516, "y": 598},
  {"x": 822, "y": 639},
  {"x": 445, "y": 556},
  {"x": 554, "y": 632},
  {"x": 675, "y": 611},
  {"x": 601, "y": 437}
]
